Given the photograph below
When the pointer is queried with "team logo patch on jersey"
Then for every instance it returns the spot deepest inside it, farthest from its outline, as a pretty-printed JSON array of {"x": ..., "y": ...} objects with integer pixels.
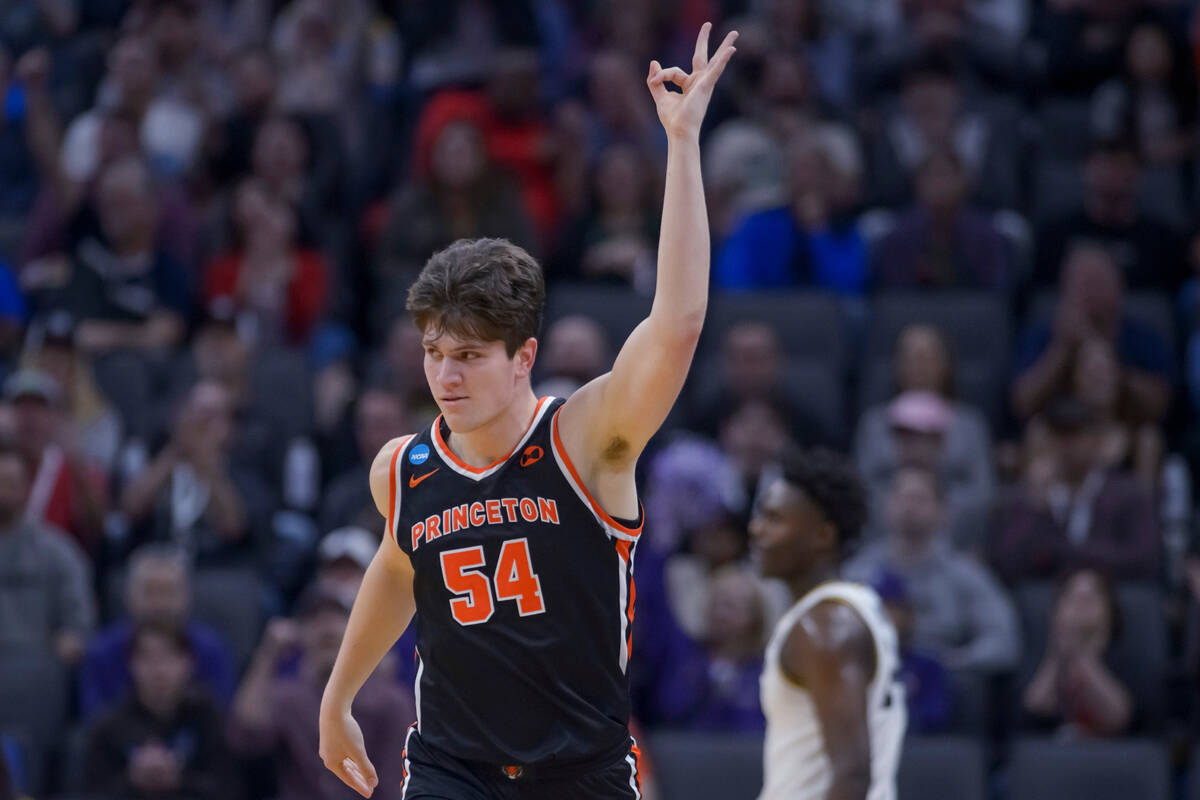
[
  {"x": 419, "y": 454},
  {"x": 532, "y": 455}
]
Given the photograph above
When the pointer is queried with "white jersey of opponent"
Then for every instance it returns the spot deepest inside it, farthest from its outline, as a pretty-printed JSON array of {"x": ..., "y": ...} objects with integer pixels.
[{"x": 796, "y": 765}]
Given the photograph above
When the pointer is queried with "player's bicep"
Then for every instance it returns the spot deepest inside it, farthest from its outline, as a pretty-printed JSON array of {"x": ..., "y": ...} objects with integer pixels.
[
  {"x": 623, "y": 408},
  {"x": 831, "y": 653}
]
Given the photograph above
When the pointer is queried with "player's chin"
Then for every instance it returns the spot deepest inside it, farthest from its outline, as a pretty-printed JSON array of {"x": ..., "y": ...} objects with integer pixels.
[{"x": 762, "y": 562}]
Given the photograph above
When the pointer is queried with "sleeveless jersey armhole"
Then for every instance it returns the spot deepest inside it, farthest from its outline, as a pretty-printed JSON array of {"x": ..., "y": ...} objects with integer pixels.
[
  {"x": 628, "y": 530},
  {"x": 394, "y": 487}
]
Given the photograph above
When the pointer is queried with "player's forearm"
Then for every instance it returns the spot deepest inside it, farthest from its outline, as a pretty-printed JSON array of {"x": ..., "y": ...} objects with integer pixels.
[
  {"x": 382, "y": 611},
  {"x": 681, "y": 293},
  {"x": 851, "y": 783}
]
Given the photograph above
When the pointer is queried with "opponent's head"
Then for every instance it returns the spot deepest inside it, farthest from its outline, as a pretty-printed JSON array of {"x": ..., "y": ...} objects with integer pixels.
[
  {"x": 478, "y": 304},
  {"x": 811, "y": 514}
]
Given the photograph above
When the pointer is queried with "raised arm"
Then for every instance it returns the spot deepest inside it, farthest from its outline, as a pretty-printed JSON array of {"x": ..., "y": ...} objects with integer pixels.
[
  {"x": 382, "y": 610},
  {"x": 609, "y": 421}
]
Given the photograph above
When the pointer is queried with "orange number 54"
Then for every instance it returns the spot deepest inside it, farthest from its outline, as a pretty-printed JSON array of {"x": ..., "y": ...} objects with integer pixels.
[{"x": 514, "y": 580}]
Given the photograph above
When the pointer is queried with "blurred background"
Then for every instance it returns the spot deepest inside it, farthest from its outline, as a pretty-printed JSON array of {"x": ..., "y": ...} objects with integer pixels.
[{"x": 955, "y": 239}]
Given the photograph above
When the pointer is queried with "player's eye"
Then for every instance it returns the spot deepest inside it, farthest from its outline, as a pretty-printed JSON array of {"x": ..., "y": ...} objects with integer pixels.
[{"x": 469, "y": 356}]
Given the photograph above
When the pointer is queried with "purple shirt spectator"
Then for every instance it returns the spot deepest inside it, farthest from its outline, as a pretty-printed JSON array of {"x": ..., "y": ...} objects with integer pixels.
[{"x": 104, "y": 676}]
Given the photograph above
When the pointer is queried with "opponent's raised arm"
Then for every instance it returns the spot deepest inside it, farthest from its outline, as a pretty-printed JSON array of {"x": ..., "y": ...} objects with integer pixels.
[{"x": 628, "y": 404}]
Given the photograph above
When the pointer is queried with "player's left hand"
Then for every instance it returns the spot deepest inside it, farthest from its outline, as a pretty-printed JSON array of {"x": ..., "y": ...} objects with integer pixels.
[{"x": 682, "y": 113}]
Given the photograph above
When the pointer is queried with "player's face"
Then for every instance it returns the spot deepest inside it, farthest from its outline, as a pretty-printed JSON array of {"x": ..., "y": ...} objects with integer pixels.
[
  {"x": 474, "y": 381},
  {"x": 788, "y": 532}
]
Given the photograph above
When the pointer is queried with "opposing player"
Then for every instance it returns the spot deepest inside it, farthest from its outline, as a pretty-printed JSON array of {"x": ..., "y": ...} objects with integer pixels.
[
  {"x": 512, "y": 521},
  {"x": 835, "y": 714}
]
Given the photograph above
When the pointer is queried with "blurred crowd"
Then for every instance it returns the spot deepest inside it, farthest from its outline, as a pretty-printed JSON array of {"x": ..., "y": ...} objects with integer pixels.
[{"x": 958, "y": 239}]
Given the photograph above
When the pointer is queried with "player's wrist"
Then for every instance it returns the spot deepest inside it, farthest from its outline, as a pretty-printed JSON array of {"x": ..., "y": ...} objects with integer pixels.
[{"x": 686, "y": 138}]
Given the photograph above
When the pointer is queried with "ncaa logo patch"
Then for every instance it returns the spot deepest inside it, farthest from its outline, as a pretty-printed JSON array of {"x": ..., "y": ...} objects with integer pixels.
[{"x": 419, "y": 454}]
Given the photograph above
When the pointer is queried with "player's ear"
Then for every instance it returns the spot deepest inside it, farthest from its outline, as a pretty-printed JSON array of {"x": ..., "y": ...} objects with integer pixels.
[{"x": 525, "y": 356}]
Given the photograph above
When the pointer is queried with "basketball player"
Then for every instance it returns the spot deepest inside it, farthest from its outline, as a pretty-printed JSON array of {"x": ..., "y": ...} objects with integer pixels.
[
  {"x": 512, "y": 521},
  {"x": 835, "y": 714}
]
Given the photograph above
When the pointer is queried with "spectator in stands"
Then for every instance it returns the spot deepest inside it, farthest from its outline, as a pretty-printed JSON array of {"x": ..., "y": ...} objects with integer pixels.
[
  {"x": 712, "y": 684},
  {"x": 616, "y": 241},
  {"x": 157, "y": 592},
  {"x": 1083, "y": 42},
  {"x": 1126, "y": 442},
  {"x": 1072, "y": 512},
  {"x": 343, "y": 556},
  {"x": 1153, "y": 101},
  {"x": 941, "y": 242},
  {"x": 12, "y": 317},
  {"x": 166, "y": 740},
  {"x": 278, "y": 715},
  {"x": 458, "y": 193},
  {"x": 979, "y": 41},
  {"x": 753, "y": 432},
  {"x": 690, "y": 483},
  {"x": 1148, "y": 253},
  {"x": 46, "y": 597},
  {"x": 520, "y": 140},
  {"x": 221, "y": 354},
  {"x": 126, "y": 291},
  {"x": 255, "y": 82},
  {"x": 69, "y": 491},
  {"x": 18, "y": 176},
  {"x": 279, "y": 287},
  {"x": 1074, "y": 689},
  {"x": 379, "y": 416},
  {"x": 813, "y": 240},
  {"x": 923, "y": 427},
  {"x": 743, "y": 169},
  {"x": 616, "y": 109},
  {"x": 752, "y": 367},
  {"x": 88, "y": 414},
  {"x": 934, "y": 115},
  {"x": 927, "y": 686},
  {"x": 576, "y": 351},
  {"x": 167, "y": 127},
  {"x": 960, "y": 612},
  {"x": 299, "y": 163},
  {"x": 316, "y": 69},
  {"x": 191, "y": 493},
  {"x": 1090, "y": 306},
  {"x": 400, "y": 368}
]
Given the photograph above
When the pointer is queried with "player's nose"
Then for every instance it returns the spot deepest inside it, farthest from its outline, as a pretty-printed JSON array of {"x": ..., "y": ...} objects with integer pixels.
[{"x": 449, "y": 374}]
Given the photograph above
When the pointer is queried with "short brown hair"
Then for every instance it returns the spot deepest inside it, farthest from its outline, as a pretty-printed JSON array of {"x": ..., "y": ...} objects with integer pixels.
[{"x": 484, "y": 288}]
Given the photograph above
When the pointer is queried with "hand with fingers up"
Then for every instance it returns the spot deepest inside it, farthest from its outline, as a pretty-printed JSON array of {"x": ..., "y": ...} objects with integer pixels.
[{"x": 682, "y": 112}]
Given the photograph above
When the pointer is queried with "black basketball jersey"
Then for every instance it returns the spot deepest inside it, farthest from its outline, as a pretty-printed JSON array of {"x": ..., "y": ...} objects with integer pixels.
[{"x": 524, "y": 596}]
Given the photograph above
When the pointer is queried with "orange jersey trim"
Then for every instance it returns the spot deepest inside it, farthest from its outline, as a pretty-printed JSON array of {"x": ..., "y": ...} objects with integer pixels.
[
  {"x": 566, "y": 460},
  {"x": 392, "y": 486},
  {"x": 445, "y": 450}
]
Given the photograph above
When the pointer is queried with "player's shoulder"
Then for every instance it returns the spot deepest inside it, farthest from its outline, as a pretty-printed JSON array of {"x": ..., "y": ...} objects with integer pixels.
[
  {"x": 382, "y": 468},
  {"x": 830, "y": 633}
]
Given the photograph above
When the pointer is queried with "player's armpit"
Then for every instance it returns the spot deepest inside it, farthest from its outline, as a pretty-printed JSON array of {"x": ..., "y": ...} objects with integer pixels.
[
  {"x": 832, "y": 654},
  {"x": 607, "y": 422}
]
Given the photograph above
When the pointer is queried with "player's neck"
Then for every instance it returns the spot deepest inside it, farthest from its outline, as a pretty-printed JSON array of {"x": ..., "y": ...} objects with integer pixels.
[
  {"x": 821, "y": 572},
  {"x": 496, "y": 438}
]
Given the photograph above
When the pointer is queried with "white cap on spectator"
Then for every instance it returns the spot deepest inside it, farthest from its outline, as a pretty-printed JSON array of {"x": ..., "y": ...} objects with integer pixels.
[{"x": 352, "y": 542}]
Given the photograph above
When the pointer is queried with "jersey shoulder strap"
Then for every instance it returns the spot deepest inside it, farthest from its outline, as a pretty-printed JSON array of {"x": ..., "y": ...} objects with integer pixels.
[{"x": 395, "y": 480}]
